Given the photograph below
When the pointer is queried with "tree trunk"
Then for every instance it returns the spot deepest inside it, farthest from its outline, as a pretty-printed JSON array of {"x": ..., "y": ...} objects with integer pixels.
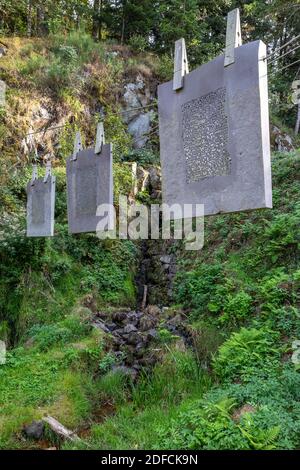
[
  {"x": 298, "y": 120},
  {"x": 41, "y": 21},
  {"x": 29, "y": 18},
  {"x": 100, "y": 21},
  {"x": 123, "y": 22},
  {"x": 96, "y": 19}
]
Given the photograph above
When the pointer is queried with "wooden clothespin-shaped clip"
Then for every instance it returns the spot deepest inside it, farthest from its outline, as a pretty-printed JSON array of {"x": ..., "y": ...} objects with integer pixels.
[
  {"x": 181, "y": 67},
  {"x": 100, "y": 138},
  {"x": 77, "y": 145},
  {"x": 34, "y": 174},
  {"x": 48, "y": 171},
  {"x": 233, "y": 36}
]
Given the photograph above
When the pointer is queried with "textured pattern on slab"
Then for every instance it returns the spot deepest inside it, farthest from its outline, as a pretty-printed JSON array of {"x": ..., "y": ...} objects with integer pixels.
[{"x": 205, "y": 136}]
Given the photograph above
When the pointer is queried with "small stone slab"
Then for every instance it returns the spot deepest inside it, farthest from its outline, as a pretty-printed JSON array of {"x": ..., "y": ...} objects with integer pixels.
[
  {"x": 89, "y": 184},
  {"x": 214, "y": 135},
  {"x": 40, "y": 207}
]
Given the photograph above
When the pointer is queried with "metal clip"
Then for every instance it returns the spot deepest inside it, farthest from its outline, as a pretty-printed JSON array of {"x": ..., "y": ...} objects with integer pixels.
[
  {"x": 233, "y": 36},
  {"x": 100, "y": 138},
  {"x": 77, "y": 145},
  {"x": 48, "y": 171},
  {"x": 34, "y": 174},
  {"x": 181, "y": 67}
]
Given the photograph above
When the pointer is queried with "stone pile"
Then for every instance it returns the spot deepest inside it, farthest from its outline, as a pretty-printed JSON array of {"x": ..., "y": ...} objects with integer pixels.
[{"x": 134, "y": 336}]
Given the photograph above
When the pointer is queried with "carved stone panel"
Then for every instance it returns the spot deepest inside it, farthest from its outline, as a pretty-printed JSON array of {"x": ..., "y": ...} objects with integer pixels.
[
  {"x": 205, "y": 136},
  {"x": 89, "y": 184},
  {"x": 40, "y": 207},
  {"x": 214, "y": 135}
]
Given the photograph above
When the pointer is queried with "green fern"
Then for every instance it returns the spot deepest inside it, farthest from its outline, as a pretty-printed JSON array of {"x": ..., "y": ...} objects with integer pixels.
[{"x": 259, "y": 439}]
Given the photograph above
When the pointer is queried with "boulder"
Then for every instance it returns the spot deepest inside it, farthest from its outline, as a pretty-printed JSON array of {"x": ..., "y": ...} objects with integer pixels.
[
  {"x": 131, "y": 95},
  {"x": 166, "y": 259},
  {"x": 119, "y": 317},
  {"x": 100, "y": 325},
  {"x": 138, "y": 127},
  {"x": 111, "y": 326},
  {"x": 35, "y": 430},
  {"x": 152, "y": 334},
  {"x": 3, "y": 51},
  {"x": 281, "y": 141},
  {"x": 155, "y": 178},
  {"x": 157, "y": 195},
  {"x": 175, "y": 321},
  {"x": 134, "y": 338},
  {"x": 140, "y": 350},
  {"x": 129, "y": 329},
  {"x": 127, "y": 371},
  {"x": 153, "y": 310},
  {"x": 142, "y": 179},
  {"x": 147, "y": 322}
]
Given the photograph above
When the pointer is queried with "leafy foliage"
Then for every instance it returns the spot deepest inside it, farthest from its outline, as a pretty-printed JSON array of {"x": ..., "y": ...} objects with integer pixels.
[{"x": 245, "y": 352}]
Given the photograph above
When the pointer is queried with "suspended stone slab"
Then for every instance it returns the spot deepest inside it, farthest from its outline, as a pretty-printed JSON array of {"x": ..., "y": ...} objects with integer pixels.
[
  {"x": 214, "y": 135},
  {"x": 89, "y": 185},
  {"x": 40, "y": 206}
]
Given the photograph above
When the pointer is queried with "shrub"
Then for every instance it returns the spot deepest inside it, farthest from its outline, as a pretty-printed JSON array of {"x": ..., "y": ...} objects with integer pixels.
[
  {"x": 237, "y": 307},
  {"x": 208, "y": 425},
  {"x": 282, "y": 234},
  {"x": 195, "y": 289},
  {"x": 274, "y": 400},
  {"x": 107, "y": 362},
  {"x": 165, "y": 67},
  {"x": 142, "y": 157},
  {"x": 274, "y": 290},
  {"x": 138, "y": 43},
  {"x": 116, "y": 133},
  {"x": 245, "y": 353},
  {"x": 46, "y": 336}
]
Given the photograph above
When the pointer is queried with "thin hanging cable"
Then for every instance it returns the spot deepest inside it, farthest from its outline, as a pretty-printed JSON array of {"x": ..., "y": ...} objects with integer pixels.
[
  {"x": 288, "y": 66},
  {"x": 274, "y": 72},
  {"x": 283, "y": 55},
  {"x": 297, "y": 73},
  {"x": 281, "y": 47},
  {"x": 112, "y": 114},
  {"x": 277, "y": 50},
  {"x": 147, "y": 134}
]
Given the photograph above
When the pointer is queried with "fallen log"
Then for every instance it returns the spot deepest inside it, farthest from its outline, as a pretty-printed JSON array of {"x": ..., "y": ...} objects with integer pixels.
[
  {"x": 60, "y": 430},
  {"x": 144, "y": 302}
]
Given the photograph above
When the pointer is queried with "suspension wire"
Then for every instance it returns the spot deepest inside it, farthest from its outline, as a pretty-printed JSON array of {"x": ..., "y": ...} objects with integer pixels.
[
  {"x": 284, "y": 68},
  {"x": 146, "y": 134},
  {"x": 283, "y": 55},
  {"x": 272, "y": 53},
  {"x": 281, "y": 47},
  {"x": 297, "y": 74},
  {"x": 45, "y": 129}
]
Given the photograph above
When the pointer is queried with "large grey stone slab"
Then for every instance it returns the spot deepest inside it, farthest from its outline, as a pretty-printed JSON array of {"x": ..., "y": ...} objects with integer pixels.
[
  {"x": 89, "y": 184},
  {"x": 214, "y": 135},
  {"x": 40, "y": 207}
]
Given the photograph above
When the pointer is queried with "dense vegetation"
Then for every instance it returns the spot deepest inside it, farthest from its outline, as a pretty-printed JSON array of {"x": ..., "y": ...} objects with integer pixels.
[{"x": 237, "y": 384}]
